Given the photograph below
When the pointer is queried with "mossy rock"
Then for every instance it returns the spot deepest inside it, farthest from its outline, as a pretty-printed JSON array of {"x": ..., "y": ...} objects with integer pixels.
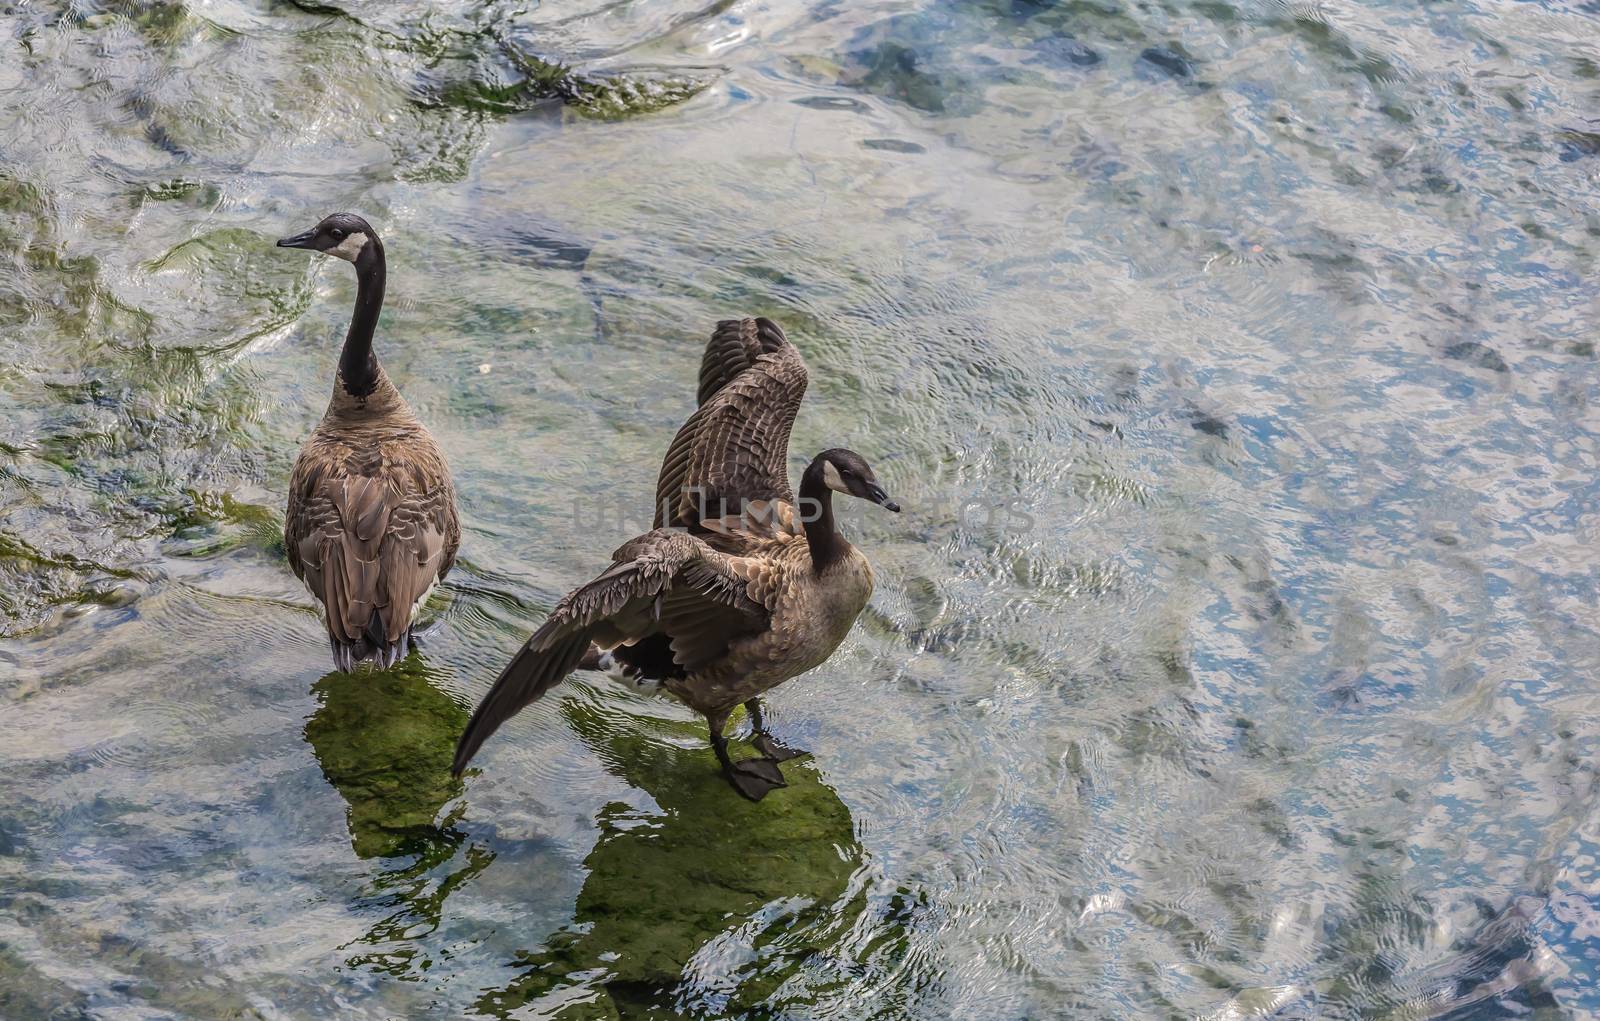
[
  {"x": 617, "y": 96},
  {"x": 385, "y": 741},
  {"x": 26, "y": 992},
  {"x": 663, "y": 884}
]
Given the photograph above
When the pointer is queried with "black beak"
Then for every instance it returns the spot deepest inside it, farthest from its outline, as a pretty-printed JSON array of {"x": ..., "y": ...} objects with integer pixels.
[
  {"x": 876, "y": 494},
  {"x": 300, "y": 240}
]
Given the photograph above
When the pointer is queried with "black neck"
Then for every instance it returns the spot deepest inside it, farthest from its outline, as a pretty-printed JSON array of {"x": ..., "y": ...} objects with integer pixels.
[
  {"x": 816, "y": 510},
  {"x": 357, "y": 367}
]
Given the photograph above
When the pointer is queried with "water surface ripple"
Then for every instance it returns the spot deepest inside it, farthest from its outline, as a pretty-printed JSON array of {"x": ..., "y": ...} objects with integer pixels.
[{"x": 1238, "y": 653}]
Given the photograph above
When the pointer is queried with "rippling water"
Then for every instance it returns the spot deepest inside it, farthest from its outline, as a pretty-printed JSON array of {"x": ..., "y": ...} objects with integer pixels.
[{"x": 1238, "y": 654}]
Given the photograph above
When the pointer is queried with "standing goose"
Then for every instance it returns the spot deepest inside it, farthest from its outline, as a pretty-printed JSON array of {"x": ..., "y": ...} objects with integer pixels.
[
  {"x": 738, "y": 588},
  {"x": 371, "y": 524}
]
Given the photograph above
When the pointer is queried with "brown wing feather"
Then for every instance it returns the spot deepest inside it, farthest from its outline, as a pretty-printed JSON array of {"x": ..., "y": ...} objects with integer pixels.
[
  {"x": 734, "y": 347},
  {"x": 371, "y": 526},
  {"x": 735, "y": 448},
  {"x": 660, "y": 581}
]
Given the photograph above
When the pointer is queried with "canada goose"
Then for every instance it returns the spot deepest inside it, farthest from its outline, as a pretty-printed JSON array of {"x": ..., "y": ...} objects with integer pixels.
[
  {"x": 371, "y": 525},
  {"x": 738, "y": 588}
]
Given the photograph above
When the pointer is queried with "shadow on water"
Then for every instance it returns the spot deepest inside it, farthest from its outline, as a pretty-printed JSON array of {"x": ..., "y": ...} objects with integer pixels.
[
  {"x": 709, "y": 904},
  {"x": 384, "y": 741}
]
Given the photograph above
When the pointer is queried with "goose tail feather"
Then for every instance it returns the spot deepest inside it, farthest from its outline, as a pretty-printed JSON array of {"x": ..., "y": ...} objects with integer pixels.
[{"x": 371, "y": 644}]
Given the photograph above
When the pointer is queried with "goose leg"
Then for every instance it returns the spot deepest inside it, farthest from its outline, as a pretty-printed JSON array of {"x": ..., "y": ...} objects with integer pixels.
[
  {"x": 769, "y": 746},
  {"x": 753, "y": 778}
]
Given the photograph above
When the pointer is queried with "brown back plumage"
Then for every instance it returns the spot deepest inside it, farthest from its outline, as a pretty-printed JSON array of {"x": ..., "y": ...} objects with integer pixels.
[
  {"x": 371, "y": 523},
  {"x": 735, "y": 448}
]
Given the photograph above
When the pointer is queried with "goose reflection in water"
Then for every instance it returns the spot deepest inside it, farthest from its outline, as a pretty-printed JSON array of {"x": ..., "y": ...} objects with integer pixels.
[
  {"x": 384, "y": 741},
  {"x": 706, "y": 906}
]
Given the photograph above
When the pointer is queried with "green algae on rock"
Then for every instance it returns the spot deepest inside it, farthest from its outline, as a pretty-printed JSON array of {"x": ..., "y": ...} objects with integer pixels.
[
  {"x": 629, "y": 94},
  {"x": 664, "y": 886},
  {"x": 384, "y": 741}
]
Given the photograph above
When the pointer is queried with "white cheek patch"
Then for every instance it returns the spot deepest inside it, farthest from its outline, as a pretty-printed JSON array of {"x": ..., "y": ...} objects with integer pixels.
[
  {"x": 831, "y": 479},
  {"x": 350, "y": 247}
]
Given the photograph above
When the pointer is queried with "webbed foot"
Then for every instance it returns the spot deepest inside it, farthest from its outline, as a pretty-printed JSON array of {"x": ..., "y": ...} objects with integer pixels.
[
  {"x": 755, "y": 778},
  {"x": 775, "y": 750}
]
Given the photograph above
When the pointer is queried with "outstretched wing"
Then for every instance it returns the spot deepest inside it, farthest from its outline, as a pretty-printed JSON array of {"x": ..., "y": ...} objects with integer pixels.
[
  {"x": 734, "y": 449},
  {"x": 733, "y": 348},
  {"x": 664, "y": 581}
]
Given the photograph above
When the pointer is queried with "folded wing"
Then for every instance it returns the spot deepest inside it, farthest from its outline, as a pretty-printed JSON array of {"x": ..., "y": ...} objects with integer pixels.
[{"x": 369, "y": 547}]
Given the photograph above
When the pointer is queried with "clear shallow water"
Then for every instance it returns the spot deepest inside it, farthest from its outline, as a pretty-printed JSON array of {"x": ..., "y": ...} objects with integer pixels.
[{"x": 1275, "y": 693}]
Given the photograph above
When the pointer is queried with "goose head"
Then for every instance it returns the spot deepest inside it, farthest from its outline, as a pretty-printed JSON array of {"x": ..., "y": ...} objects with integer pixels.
[
  {"x": 845, "y": 471},
  {"x": 343, "y": 235}
]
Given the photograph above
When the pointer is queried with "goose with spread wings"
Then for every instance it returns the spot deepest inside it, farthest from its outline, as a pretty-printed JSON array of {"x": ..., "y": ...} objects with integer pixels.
[{"x": 739, "y": 586}]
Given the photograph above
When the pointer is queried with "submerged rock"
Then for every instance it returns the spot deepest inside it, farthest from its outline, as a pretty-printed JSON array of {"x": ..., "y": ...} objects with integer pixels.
[
  {"x": 385, "y": 741},
  {"x": 898, "y": 72},
  {"x": 1063, "y": 51},
  {"x": 1576, "y": 145},
  {"x": 1480, "y": 355},
  {"x": 710, "y": 866},
  {"x": 893, "y": 145},
  {"x": 1170, "y": 62},
  {"x": 831, "y": 103},
  {"x": 26, "y": 991}
]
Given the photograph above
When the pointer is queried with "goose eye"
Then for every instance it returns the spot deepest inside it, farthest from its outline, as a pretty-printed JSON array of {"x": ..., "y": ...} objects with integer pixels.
[{"x": 338, "y": 235}]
